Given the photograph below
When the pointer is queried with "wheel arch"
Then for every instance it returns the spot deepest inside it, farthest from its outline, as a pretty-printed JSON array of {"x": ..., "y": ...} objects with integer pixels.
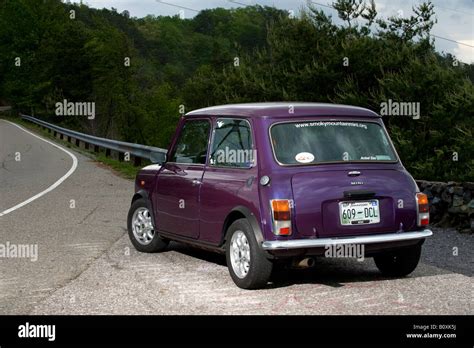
[
  {"x": 140, "y": 194},
  {"x": 241, "y": 212}
]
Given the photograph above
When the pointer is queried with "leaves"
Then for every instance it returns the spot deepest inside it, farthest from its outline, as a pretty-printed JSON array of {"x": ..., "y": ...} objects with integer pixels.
[{"x": 178, "y": 62}]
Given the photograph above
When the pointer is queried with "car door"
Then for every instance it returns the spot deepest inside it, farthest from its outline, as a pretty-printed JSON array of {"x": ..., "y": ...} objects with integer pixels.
[
  {"x": 230, "y": 179},
  {"x": 179, "y": 181}
]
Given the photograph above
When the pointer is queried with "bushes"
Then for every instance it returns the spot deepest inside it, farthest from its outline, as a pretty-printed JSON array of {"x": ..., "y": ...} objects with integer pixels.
[
  {"x": 311, "y": 59},
  {"x": 192, "y": 63}
]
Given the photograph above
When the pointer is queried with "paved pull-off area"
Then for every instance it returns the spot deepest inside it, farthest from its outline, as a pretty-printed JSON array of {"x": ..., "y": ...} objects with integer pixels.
[{"x": 87, "y": 265}]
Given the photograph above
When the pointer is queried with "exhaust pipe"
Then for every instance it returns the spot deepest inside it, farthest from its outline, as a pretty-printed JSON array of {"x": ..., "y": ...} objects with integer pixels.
[{"x": 307, "y": 262}]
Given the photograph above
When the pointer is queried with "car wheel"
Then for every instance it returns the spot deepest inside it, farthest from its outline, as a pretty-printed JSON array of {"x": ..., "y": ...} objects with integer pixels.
[
  {"x": 398, "y": 263},
  {"x": 248, "y": 265},
  {"x": 141, "y": 228}
]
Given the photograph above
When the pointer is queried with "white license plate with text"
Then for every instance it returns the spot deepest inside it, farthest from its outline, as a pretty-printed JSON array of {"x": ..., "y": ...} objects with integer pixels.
[{"x": 359, "y": 212}]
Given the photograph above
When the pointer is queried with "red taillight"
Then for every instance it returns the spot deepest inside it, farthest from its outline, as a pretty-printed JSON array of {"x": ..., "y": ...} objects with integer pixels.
[
  {"x": 281, "y": 214},
  {"x": 423, "y": 209},
  {"x": 424, "y": 222},
  {"x": 285, "y": 231}
]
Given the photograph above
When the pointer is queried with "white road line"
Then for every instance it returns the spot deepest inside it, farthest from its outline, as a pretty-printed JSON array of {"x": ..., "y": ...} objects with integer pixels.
[{"x": 53, "y": 186}]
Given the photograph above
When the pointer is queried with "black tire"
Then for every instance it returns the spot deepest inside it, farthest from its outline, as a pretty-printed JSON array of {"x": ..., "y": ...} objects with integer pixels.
[
  {"x": 400, "y": 262},
  {"x": 260, "y": 267},
  {"x": 157, "y": 243}
]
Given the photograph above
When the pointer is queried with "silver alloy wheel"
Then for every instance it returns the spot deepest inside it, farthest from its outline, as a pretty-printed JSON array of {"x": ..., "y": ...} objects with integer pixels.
[
  {"x": 142, "y": 226},
  {"x": 240, "y": 254}
]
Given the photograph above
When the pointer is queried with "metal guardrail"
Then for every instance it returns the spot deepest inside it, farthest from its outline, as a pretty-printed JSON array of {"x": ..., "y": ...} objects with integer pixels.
[{"x": 154, "y": 154}]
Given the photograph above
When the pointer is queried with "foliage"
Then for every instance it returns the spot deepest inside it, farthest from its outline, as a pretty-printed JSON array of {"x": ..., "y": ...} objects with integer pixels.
[{"x": 241, "y": 55}]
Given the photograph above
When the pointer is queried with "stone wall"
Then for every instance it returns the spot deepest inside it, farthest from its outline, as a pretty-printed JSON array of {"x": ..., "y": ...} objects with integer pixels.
[{"x": 451, "y": 203}]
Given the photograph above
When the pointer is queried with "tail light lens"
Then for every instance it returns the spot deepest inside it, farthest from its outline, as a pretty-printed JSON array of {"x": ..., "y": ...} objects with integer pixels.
[
  {"x": 423, "y": 209},
  {"x": 281, "y": 216}
]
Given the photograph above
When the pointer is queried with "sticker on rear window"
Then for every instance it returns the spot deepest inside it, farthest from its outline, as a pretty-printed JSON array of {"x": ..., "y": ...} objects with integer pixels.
[
  {"x": 330, "y": 124},
  {"x": 304, "y": 157},
  {"x": 376, "y": 158}
]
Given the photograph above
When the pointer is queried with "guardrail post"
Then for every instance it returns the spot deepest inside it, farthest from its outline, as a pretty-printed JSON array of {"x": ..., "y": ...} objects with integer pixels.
[
  {"x": 137, "y": 161},
  {"x": 107, "y": 152}
]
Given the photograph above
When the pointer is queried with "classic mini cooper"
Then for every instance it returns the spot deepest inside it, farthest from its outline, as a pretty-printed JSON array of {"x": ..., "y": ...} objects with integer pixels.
[{"x": 279, "y": 184}]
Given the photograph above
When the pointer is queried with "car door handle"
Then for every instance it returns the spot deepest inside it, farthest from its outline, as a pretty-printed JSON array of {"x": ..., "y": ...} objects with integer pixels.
[{"x": 196, "y": 182}]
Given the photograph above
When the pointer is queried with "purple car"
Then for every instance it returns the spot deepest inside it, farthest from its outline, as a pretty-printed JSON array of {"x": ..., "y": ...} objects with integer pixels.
[{"x": 279, "y": 184}]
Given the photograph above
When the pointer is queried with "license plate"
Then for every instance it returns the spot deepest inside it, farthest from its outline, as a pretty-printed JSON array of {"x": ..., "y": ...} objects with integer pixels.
[{"x": 359, "y": 213}]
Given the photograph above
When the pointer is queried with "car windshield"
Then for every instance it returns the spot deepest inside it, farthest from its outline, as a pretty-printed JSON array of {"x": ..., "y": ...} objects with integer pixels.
[{"x": 310, "y": 142}]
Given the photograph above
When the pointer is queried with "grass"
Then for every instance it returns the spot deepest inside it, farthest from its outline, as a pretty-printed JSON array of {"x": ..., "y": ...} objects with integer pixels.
[{"x": 124, "y": 169}]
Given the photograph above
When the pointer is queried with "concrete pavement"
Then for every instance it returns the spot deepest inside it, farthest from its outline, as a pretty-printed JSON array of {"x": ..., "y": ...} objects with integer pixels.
[{"x": 87, "y": 265}]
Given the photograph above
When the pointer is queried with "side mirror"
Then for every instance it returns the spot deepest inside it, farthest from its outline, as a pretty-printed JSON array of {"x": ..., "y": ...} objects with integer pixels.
[{"x": 158, "y": 157}]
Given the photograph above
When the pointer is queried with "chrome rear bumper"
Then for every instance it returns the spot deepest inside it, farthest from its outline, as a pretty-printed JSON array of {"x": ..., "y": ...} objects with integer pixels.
[{"x": 324, "y": 242}]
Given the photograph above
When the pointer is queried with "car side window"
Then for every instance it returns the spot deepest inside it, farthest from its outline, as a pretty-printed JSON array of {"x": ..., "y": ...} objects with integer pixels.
[
  {"x": 232, "y": 144},
  {"x": 191, "y": 146}
]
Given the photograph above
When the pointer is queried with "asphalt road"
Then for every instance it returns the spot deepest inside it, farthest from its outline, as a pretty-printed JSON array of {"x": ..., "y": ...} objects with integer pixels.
[
  {"x": 28, "y": 165},
  {"x": 86, "y": 264},
  {"x": 71, "y": 225}
]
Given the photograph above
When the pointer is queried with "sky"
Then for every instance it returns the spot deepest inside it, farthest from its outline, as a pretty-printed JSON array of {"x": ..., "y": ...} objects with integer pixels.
[{"x": 455, "y": 17}]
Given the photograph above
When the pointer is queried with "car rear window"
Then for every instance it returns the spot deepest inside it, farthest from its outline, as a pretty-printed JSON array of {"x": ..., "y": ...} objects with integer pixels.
[{"x": 310, "y": 142}]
